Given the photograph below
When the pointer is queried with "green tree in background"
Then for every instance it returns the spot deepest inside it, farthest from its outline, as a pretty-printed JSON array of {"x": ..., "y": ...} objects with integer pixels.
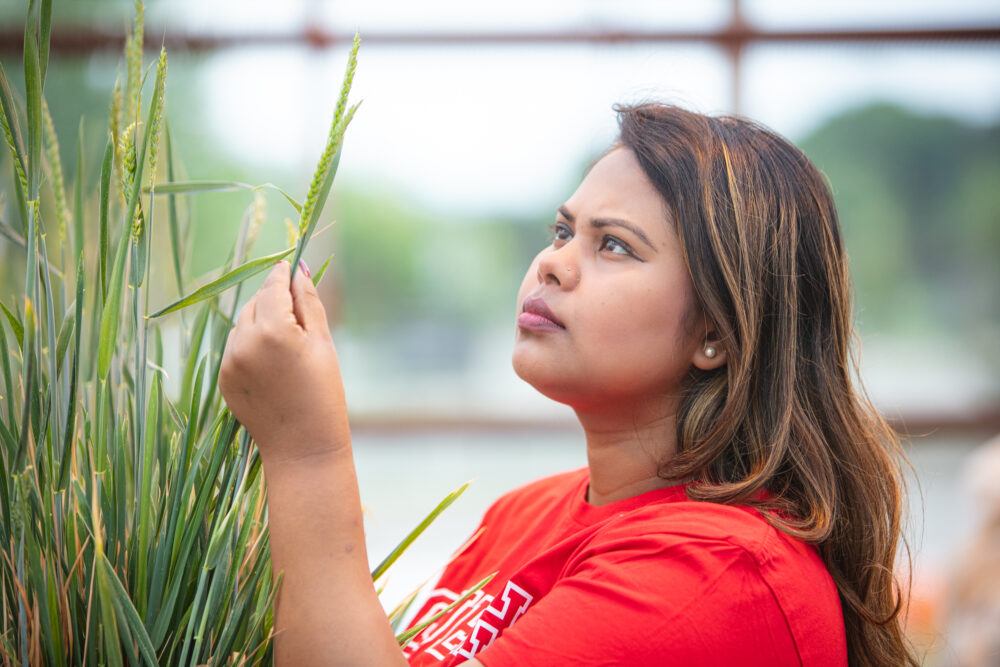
[{"x": 920, "y": 207}]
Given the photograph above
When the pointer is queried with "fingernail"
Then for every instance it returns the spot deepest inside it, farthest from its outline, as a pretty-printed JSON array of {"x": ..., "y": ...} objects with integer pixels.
[{"x": 305, "y": 269}]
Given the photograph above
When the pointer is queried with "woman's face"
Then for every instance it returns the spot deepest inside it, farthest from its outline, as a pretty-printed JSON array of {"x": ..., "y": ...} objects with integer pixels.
[{"x": 606, "y": 314}]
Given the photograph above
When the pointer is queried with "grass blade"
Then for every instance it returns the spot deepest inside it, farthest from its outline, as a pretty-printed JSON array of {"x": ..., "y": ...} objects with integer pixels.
[
  {"x": 322, "y": 270},
  {"x": 78, "y": 196},
  {"x": 45, "y": 30},
  {"x": 197, "y": 187},
  {"x": 109, "y": 153},
  {"x": 112, "y": 310},
  {"x": 106, "y": 604},
  {"x": 33, "y": 100},
  {"x": 29, "y": 375},
  {"x": 65, "y": 331},
  {"x": 9, "y": 390},
  {"x": 69, "y": 432},
  {"x": 15, "y": 325},
  {"x": 8, "y": 120},
  {"x": 417, "y": 629},
  {"x": 11, "y": 130},
  {"x": 123, "y": 605},
  {"x": 416, "y": 532},
  {"x": 396, "y": 615},
  {"x": 231, "y": 279},
  {"x": 174, "y": 224},
  {"x": 189, "y": 187}
]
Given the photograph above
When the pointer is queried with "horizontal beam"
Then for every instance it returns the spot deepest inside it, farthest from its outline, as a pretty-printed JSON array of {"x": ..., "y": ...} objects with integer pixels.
[
  {"x": 83, "y": 40},
  {"x": 983, "y": 424}
]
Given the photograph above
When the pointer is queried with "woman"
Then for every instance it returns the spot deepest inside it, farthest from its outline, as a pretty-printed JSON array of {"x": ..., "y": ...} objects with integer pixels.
[{"x": 741, "y": 503}]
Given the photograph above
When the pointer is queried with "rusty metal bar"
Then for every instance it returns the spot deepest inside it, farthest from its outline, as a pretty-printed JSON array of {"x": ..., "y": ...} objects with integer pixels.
[
  {"x": 82, "y": 40},
  {"x": 979, "y": 424}
]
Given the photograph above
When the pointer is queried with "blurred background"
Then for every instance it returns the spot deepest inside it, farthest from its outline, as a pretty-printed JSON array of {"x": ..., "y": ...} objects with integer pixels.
[{"x": 478, "y": 121}]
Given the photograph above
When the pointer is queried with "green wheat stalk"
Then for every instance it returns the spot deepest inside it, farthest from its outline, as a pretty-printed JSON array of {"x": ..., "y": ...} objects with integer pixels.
[
  {"x": 133, "y": 525},
  {"x": 55, "y": 164},
  {"x": 326, "y": 169}
]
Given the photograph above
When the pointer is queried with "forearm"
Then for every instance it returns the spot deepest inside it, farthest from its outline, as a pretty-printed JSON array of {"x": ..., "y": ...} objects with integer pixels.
[{"x": 327, "y": 612}]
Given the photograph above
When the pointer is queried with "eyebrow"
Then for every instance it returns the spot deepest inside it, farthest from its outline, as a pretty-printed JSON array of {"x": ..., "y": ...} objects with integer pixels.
[{"x": 598, "y": 223}]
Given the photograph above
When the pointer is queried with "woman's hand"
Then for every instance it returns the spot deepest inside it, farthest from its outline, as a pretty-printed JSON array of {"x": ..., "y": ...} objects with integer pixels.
[
  {"x": 280, "y": 376},
  {"x": 281, "y": 379}
]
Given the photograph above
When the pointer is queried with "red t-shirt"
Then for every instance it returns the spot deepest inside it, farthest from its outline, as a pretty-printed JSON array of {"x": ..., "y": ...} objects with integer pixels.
[{"x": 652, "y": 580}]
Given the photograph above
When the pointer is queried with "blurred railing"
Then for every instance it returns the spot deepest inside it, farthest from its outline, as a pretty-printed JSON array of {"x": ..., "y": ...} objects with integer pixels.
[{"x": 733, "y": 39}]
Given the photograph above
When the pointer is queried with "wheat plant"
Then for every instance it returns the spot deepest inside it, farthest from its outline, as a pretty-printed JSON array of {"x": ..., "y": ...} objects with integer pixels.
[{"x": 132, "y": 523}]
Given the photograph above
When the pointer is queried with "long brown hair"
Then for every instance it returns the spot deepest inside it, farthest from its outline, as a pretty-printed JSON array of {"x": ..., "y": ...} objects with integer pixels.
[{"x": 763, "y": 245}]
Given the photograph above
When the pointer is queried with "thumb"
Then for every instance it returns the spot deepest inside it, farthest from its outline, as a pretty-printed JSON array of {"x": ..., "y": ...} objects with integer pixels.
[{"x": 308, "y": 308}]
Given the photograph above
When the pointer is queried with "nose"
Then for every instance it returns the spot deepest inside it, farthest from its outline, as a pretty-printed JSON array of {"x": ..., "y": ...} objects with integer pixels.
[{"x": 559, "y": 266}]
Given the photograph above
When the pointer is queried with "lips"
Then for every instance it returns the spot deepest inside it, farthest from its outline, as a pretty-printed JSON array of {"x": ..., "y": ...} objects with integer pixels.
[{"x": 536, "y": 315}]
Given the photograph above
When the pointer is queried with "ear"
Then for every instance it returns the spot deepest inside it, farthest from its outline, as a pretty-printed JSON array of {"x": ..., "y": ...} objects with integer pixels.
[{"x": 710, "y": 354}]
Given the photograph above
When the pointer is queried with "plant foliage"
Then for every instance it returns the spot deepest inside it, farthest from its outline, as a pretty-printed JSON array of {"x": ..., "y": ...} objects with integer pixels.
[{"x": 132, "y": 524}]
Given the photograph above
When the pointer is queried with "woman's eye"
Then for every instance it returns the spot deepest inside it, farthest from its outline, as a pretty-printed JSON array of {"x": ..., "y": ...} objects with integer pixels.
[
  {"x": 616, "y": 246},
  {"x": 561, "y": 232}
]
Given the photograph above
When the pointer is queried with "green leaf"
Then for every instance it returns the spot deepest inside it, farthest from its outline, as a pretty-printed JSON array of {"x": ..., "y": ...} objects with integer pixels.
[
  {"x": 8, "y": 387},
  {"x": 30, "y": 379},
  {"x": 68, "y": 433},
  {"x": 20, "y": 193},
  {"x": 45, "y": 30},
  {"x": 175, "y": 228},
  {"x": 65, "y": 331},
  {"x": 396, "y": 615},
  {"x": 123, "y": 605},
  {"x": 7, "y": 102},
  {"x": 197, "y": 187},
  {"x": 15, "y": 326},
  {"x": 188, "y": 187},
  {"x": 12, "y": 135},
  {"x": 403, "y": 638},
  {"x": 322, "y": 270},
  {"x": 109, "y": 153},
  {"x": 220, "y": 538},
  {"x": 33, "y": 100},
  {"x": 111, "y": 315},
  {"x": 78, "y": 195},
  {"x": 416, "y": 532},
  {"x": 192, "y": 354},
  {"x": 231, "y": 279}
]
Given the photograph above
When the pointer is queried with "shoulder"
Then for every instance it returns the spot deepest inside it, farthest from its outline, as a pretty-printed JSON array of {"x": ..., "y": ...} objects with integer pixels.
[
  {"x": 703, "y": 544},
  {"x": 685, "y": 521},
  {"x": 719, "y": 565}
]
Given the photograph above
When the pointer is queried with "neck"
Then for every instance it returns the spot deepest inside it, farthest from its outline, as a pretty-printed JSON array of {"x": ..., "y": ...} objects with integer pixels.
[{"x": 625, "y": 449}]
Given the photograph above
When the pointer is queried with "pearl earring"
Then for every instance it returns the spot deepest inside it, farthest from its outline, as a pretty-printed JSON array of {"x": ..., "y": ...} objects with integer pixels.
[{"x": 710, "y": 352}]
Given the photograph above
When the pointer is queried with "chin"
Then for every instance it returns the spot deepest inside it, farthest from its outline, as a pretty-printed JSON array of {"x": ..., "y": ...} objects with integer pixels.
[{"x": 546, "y": 381}]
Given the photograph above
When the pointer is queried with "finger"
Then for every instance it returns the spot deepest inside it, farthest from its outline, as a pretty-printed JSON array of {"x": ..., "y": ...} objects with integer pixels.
[
  {"x": 308, "y": 308},
  {"x": 274, "y": 301},
  {"x": 232, "y": 340},
  {"x": 248, "y": 313}
]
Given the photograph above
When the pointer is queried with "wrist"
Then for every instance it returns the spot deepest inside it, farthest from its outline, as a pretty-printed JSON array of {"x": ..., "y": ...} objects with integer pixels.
[{"x": 280, "y": 462}]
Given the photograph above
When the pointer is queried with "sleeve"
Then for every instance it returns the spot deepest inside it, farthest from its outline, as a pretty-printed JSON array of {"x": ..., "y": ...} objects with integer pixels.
[{"x": 650, "y": 600}]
